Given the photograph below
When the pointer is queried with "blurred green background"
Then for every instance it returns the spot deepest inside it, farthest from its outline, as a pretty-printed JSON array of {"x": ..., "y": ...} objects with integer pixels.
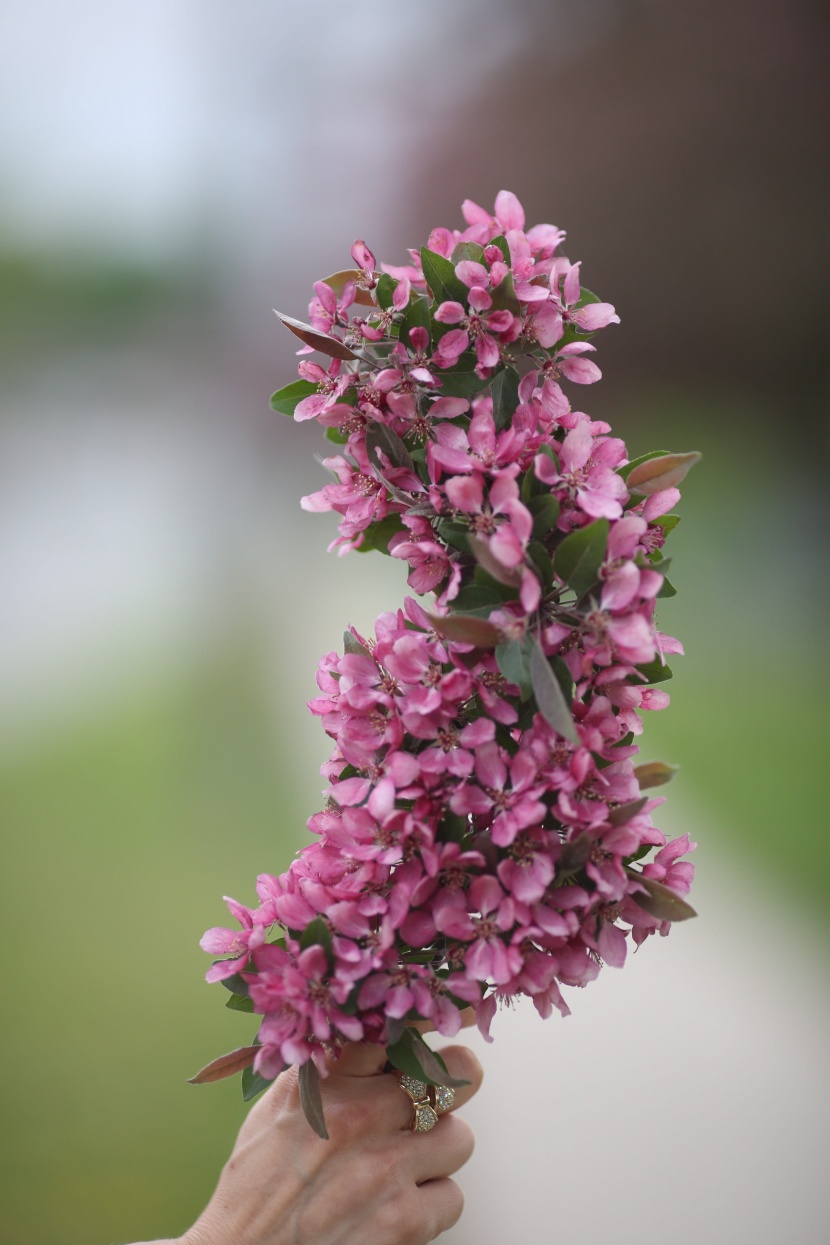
[{"x": 166, "y": 599}]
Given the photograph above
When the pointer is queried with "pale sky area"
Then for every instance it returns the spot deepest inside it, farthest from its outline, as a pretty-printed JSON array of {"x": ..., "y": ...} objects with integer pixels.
[{"x": 186, "y": 81}]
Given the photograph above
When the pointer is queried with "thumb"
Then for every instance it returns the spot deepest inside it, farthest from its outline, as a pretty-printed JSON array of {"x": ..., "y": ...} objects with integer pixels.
[
  {"x": 359, "y": 1059},
  {"x": 368, "y": 1059}
]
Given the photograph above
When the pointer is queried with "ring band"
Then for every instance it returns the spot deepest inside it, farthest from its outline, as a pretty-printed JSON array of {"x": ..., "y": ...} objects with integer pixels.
[{"x": 425, "y": 1115}]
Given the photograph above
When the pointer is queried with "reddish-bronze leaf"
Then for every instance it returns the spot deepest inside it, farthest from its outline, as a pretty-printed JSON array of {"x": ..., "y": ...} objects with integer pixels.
[
  {"x": 654, "y": 774},
  {"x": 311, "y": 1099},
  {"x": 466, "y": 629},
  {"x": 338, "y": 279},
  {"x": 623, "y": 813},
  {"x": 379, "y": 437},
  {"x": 320, "y": 341},
  {"x": 225, "y": 1065},
  {"x": 660, "y": 473},
  {"x": 502, "y": 574},
  {"x": 661, "y": 901}
]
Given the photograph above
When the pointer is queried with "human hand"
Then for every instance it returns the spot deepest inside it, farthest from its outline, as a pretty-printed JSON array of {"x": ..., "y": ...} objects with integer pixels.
[{"x": 372, "y": 1183}]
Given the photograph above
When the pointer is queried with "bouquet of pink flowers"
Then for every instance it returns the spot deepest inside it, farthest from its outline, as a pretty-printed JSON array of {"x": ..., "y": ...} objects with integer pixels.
[{"x": 485, "y": 832}]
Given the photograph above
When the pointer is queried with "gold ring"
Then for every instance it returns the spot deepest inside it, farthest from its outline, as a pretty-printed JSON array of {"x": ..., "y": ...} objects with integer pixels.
[
  {"x": 425, "y": 1115},
  {"x": 443, "y": 1098}
]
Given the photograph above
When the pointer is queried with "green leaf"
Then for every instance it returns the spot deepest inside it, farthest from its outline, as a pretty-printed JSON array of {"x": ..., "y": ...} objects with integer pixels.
[
  {"x": 336, "y": 436},
  {"x": 285, "y": 400},
  {"x": 468, "y": 250},
  {"x": 504, "y": 296},
  {"x": 416, "y": 316},
  {"x": 378, "y": 535},
  {"x": 513, "y": 660},
  {"x": 563, "y": 674},
  {"x": 411, "y": 1055},
  {"x": 311, "y": 1099},
  {"x": 545, "y": 510},
  {"x": 454, "y": 534},
  {"x": 578, "y": 559},
  {"x": 625, "y": 472},
  {"x": 433, "y": 1064},
  {"x": 655, "y": 671},
  {"x": 319, "y": 341},
  {"x": 587, "y": 296},
  {"x": 236, "y": 984},
  {"x": 384, "y": 290},
  {"x": 501, "y": 243},
  {"x": 549, "y": 698},
  {"x": 380, "y": 438},
  {"x": 541, "y": 560},
  {"x": 505, "y": 391},
  {"x": 453, "y": 827},
  {"x": 654, "y": 774},
  {"x": 461, "y": 381},
  {"x": 253, "y": 1084},
  {"x": 317, "y": 933},
  {"x": 660, "y": 901},
  {"x": 351, "y": 644},
  {"x": 625, "y": 742},
  {"x": 240, "y": 1003},
  {"x": 532, "y": 486},
  {"x": 506, "y": 592},
  {"x": 395, "y": 1027},
  {"x": 550, "y": 452},
  {"x": 475, "y": 597},
  {"x": 668, "y": 522},
  {"x": 441, "y": 279},
  {"x": 667, "y": 590}
]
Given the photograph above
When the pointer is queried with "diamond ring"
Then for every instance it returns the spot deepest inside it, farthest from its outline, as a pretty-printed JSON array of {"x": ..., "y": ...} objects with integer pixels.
[{"x": 425, "y": 1115}]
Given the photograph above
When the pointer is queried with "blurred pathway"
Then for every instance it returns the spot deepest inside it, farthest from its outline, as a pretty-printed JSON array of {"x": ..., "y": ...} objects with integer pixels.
[{"x": 685, "y": 1100}]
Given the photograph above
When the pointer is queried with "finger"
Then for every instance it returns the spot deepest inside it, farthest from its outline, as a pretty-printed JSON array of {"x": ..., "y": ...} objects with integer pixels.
[
  {"x": 360, "y": 1059},
  {"x": 461, "y": 1063},
  {"x": 468, "y": 1018},
  {"x": 440, "y": 1203},
  {"x": 441, "y": 1152}
]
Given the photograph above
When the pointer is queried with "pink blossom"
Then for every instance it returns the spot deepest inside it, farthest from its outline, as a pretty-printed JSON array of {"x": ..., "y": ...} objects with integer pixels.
[
  {"x": 237, "y": 943},
  {"x": 330, "y": 385},
  {"x": 483, "y": 833}
]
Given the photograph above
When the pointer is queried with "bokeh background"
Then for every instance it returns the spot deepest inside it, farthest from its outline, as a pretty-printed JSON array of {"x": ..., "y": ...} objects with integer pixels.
[{"x": 172, "y": 170}]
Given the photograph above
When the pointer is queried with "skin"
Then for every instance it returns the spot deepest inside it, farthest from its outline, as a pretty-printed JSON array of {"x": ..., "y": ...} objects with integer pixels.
[{"x": 374, "y": 1182}]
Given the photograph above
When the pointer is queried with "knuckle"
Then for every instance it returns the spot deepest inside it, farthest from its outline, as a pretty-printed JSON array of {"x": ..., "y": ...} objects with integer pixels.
[
  {"x": 283, "y": 1096},
  {"x": 462, "y": 1139},
  {"x": 396, "y": 1222},
  {"x": 464, "y": 1064},
  {"x": 463, "y": 1136},
  {"x": 349, "y": 1122},
  {"x": 454, "y": 1208}
]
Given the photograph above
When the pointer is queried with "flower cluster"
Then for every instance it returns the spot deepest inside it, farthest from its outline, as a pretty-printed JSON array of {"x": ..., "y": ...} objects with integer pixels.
[{"x": 485, "y": 832}]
